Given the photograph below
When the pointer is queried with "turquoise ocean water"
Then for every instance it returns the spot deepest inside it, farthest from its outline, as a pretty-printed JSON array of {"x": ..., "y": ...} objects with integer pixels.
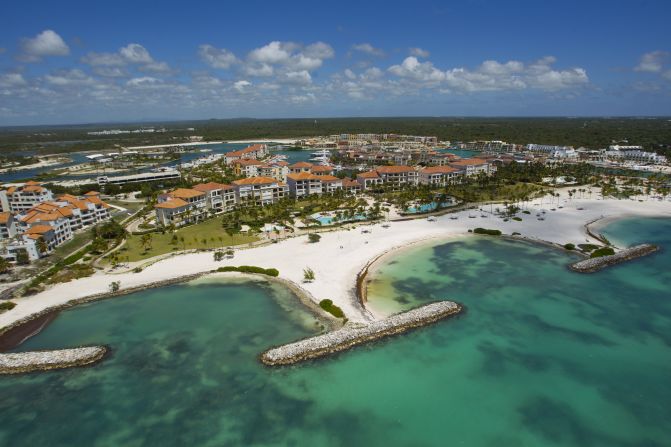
[{"x": 541, "y": 357}]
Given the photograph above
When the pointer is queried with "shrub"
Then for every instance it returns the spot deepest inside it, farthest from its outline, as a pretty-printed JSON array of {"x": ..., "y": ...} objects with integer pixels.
[
  {"x": 604, "y": 251},
  {"x": 331, "y": 308},
  {"x": 517, "y": 219},
  {"x": 487, "y": 232},
  {"x": 515, "y": 233},
  {"x": 569, "y": 246},
  {"x": 7, "y": 305},
  {"x": 137, "y": 269},
  {"x": 526, "y": 212},
  {"x": 250, "y": 269},
  {"x": 587, "y": 247},
  {"x": 314, "y": 237}
]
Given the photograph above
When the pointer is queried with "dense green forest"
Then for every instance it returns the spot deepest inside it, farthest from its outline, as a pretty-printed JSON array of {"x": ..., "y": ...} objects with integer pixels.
[{"x": 652, "y": 133}]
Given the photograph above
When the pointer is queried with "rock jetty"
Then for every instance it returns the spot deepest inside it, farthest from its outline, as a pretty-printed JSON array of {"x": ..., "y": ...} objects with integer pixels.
[
  {"x": 350, "y": 336},
  {"x": 596, "y": 264},
  {"x": 24, "y": 362}
]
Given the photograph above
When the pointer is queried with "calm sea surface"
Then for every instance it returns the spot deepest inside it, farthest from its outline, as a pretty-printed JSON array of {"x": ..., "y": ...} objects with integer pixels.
[{"x": 542, "y": 357}]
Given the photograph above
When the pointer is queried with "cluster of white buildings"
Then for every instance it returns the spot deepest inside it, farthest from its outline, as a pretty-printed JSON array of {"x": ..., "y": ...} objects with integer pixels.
[
  {"x": 123, "y": 132},
  {"x": 35, "y": 221},
  {"x": 635, "y": 154}
]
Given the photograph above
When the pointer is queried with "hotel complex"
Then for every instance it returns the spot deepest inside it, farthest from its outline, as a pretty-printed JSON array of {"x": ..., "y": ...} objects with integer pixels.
[{"x": 34, "y": 221}]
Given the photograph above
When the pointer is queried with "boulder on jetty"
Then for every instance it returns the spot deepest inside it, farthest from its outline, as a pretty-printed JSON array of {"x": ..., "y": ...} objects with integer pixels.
[
  {"x": 596, "y": 264},
  {"x": 350, "y": 336},
  {"x": 24, "y": 362}
]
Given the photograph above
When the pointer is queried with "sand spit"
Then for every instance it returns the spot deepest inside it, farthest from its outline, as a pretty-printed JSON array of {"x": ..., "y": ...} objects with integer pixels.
[
  {"x": 24, "y": 362},
  {"x": 353, "y": 335},
  {"x": 596, "y": 264}
]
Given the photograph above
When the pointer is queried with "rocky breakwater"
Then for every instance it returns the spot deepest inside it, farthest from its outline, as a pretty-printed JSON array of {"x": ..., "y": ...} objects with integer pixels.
[
  {"x": 596, "y": 264},
  {"x": 353, "y": 335},
  {"x": 24, "y": 362}
]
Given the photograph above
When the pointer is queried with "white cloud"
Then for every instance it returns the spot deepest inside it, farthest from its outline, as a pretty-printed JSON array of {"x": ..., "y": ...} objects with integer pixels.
[
  {"x": 418, "y": 52},
  {"x": 652, "y": 62},
  {"x": 144, "y": 81},
  {"x": 69, "y": 77},
  {"x": 12, "y": 80},
  {"x": 136, "y": 53},
  {"x": 491, "y": 75},
  {"x": 368, "y": 49},
  {"x": 274, "y": 53},
  {"x": 667, "y": 75},
  {"x": 411, "y": 68},
  {"x": 301, "y": 77},
  {"x": 241, "y": 86},
  {"x": 47, "y": 43},
  {"x": 217, "y": 57},
  {"x": 156, "y": 67},
  {"x": 110, "y": 72},
  {"x": 319, "y": 50},
  {"x": 104, "y": 59}
]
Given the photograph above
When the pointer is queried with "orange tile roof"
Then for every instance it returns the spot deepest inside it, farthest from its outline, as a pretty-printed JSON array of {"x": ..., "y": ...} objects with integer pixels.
[
  {"x": 92, "y": 193},
  {"x": 33, "y": 183},
  {"x": 38, "y": 217},
  {"x": 321, "y": 169},
  {"x": 328, "y": 178},
  {"x": 439, "y": 170},
  {"x": 4, "y": 217},
  {"x": 39, "y": 229},
  {"x": 301, "y": 164},
  {"x": 368, "y": 174},
  {"x": 394, "y": 169},
  {"x": 172, "y": 204},
  {"x": 303, "y": 176},
  {"x": 469, "y": 162},
  {"x": 184, "y": 193},
  {"x": 255, "y": 181},
  {"x": 210, "y": 186},
  {"x": 33, "y": 188},
  {"x": 350, "y": 183}
]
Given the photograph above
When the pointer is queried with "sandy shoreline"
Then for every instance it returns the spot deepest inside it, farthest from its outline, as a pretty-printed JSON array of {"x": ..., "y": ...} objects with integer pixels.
[{"x": 341, "y": 255}]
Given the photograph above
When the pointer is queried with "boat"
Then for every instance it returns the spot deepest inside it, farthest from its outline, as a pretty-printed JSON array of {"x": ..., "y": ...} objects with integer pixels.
[{"x": 454, "y": 217}]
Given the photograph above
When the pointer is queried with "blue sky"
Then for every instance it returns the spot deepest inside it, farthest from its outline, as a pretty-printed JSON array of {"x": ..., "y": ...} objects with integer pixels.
[{"x": 75, "y": 61}]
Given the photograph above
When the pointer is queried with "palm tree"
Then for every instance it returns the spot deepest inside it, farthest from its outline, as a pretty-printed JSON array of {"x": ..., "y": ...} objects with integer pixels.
[{"x": 42, "y": 245}]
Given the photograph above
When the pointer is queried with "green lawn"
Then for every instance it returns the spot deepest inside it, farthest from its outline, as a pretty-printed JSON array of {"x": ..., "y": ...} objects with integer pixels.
[{"x": 208, "y": 234}]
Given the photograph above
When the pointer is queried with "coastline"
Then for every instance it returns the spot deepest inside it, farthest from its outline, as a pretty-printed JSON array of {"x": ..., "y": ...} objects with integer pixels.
[{"x": 338, "y": 259}]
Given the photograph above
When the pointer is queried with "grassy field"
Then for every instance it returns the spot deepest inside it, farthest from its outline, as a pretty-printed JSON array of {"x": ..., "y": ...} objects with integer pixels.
[{"x": 208, "y": 234}]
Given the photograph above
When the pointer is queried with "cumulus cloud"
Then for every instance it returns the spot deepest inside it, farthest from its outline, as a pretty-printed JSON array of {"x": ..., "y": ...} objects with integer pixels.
[
  {"x": 217, "y": 57},
  {"x": 419, "y": 52},
  {"x": 290, "y": 62},
  {"x": 9, "y": 80},
  {"x": 242, "y": 85},
  {"x": 131, "y": 54},
  {"x": 47, "y": 43},
  {"x": 491, "y": 75},
  {"x": 368, "y": 49},
  {"x": 652, "y": 62},
  {"x": 69, "y": 77}
]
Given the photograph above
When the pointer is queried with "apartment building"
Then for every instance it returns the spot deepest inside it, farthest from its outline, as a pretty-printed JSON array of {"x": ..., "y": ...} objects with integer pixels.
[
  {"x": 17, "y": 199},
  {"x": 304, "y": 184},
  {"x": 474, "y": 166},
  {"x": 398, "y": 176},
  {"x": 439, "y": 175},
  {"x": 301, "y": 166},
  {"x": 7, "y": 225},
  {"x": 180, "y": 207},
  {"x": 368, "y": 180},
  {"x": 219, "y": 197},
  {"x": 259, "y": 191},
  {"x": 247, "y": 167},
  {"x": 250, "y": 152}
]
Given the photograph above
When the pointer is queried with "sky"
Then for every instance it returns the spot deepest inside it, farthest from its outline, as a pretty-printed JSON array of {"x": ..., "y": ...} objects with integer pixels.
[{"x": 119, "y": 61}]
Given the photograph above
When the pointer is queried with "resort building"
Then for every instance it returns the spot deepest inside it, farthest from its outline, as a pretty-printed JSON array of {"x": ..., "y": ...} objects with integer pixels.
[
  {"x": 351, "y": 186},
  {"x": 259, "y": 191},
  {"x": 301, "y": 166},
  {"x": 157, "y": 176},
  {"x": 180, "y": 207},
  {"x": 7, "y": 225},
  {"x": 219, "y": 197},
  {"x": 253, "y": 151},
  {"x": 474, "y": 166},
  {"x": 246, "y": 167},
  {"x": 368, "y": 180},
  {"x": 322, "y": 170},
  {"x": 439, "y": 175},
  {"x": 397, "y": 176},
  {"x": 635, "y": 154},
  {"x": 17, "y": 199},
  {"x": 304, "y": 184},
  {"x": 553, "y": 151}
]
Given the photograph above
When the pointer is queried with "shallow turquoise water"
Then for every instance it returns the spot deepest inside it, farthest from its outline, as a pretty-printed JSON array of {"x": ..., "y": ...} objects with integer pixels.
[{"x": 542, "y": 357}]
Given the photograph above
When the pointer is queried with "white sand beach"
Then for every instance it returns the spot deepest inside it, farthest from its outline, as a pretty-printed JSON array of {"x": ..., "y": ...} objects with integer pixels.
[{"x": 340, "y": 255}]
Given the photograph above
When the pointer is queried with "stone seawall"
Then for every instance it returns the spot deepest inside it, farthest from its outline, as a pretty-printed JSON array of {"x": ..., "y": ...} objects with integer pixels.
[
  {"x": 25, "y": 362},
  {"x": 596, "y": 264},
  {"x": 350, "y": 336}
]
